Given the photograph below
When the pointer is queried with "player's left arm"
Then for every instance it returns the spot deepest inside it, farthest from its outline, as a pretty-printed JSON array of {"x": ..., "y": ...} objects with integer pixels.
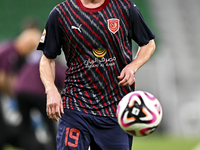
[{"x": 127, "y": 75}]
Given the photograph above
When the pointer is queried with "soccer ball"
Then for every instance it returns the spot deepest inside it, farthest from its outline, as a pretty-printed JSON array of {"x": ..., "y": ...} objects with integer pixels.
[{"x": 139, "y": 113}]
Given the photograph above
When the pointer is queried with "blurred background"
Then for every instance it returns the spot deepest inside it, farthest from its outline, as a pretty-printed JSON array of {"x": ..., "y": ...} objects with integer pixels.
[{"x": 172, "y": 74}]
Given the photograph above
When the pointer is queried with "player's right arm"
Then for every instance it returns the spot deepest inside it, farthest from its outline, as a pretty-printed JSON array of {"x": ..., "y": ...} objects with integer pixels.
[{"x": 54, "y": 101}]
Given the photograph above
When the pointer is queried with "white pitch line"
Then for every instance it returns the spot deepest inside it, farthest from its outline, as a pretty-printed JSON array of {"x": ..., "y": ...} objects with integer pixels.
[{"x": 197, "y": 147}]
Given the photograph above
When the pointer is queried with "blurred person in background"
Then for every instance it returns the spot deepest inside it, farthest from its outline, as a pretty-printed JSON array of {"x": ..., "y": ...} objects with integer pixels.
[
  {"x": 13, "y": 54},
  {"x": 30, "y": 94}
]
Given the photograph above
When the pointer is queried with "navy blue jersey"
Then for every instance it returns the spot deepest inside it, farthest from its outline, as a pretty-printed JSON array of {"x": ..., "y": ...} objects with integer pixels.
[{"x": 97, "y": 46}]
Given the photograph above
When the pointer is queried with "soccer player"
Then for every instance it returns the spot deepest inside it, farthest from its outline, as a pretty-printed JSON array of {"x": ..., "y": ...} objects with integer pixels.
[{"x": 95, "y": 36}]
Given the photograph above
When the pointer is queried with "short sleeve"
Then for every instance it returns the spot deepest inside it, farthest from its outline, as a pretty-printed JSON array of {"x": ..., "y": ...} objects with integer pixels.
[
  {"x": 51, "y": 40},
  {"x": 140, "y": 32}
]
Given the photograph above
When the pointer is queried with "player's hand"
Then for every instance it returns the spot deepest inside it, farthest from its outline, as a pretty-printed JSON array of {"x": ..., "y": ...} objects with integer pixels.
[
  {"x": 54, "y": 105},
  {"x": 126, "y": 77}
]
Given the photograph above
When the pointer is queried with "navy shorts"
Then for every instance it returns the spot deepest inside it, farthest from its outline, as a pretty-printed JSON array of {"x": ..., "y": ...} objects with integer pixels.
[{"x": 78, "y": 131}]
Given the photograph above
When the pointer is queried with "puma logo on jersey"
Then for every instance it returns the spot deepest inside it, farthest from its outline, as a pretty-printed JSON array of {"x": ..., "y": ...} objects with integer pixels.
[{"x": 77, "y": 28}]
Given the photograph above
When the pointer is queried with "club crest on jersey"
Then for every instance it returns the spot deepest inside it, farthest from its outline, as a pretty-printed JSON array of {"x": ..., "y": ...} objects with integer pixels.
[
  {"x": 113, "y": 25},
  {"x": 43, "y": 36}
]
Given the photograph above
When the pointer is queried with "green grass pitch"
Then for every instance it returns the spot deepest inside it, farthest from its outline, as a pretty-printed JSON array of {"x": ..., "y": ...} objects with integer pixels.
[
  {"x": 157, "y": 142},
  {"x": 165, "y": 142}
]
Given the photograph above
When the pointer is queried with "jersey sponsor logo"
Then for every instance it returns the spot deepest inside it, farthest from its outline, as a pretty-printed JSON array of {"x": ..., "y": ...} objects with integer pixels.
[
  {"x": 100, "y": 62},
  {"x": 113, "y": 25},
  {"x": 43, "y": 36},
  {"x": 77, "y": 28},
  {"x": 100, "y": 52}
]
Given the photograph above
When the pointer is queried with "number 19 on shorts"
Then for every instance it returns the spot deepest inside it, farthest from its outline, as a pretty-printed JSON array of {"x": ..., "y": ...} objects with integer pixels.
[{"x": 72, "y": 134}]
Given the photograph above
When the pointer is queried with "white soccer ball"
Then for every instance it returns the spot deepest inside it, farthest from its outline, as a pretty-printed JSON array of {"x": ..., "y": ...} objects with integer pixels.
[{"x": 139, "y": 113}]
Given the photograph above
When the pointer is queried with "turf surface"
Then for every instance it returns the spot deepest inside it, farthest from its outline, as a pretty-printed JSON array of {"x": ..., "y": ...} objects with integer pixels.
[
  {"x": 156, "y": 142},
  {"x": 165, "y": 142}
]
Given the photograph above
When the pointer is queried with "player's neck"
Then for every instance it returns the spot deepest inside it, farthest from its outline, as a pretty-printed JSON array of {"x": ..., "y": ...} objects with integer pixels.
[{"x": 92, "y": 3}]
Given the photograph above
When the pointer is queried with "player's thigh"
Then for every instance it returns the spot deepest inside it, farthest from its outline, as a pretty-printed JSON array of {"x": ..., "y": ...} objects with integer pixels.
[
  {"x": 72, "y": 135},
  {"x": 119, "y": 142},
  {"x": 113, "y": 137}
]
